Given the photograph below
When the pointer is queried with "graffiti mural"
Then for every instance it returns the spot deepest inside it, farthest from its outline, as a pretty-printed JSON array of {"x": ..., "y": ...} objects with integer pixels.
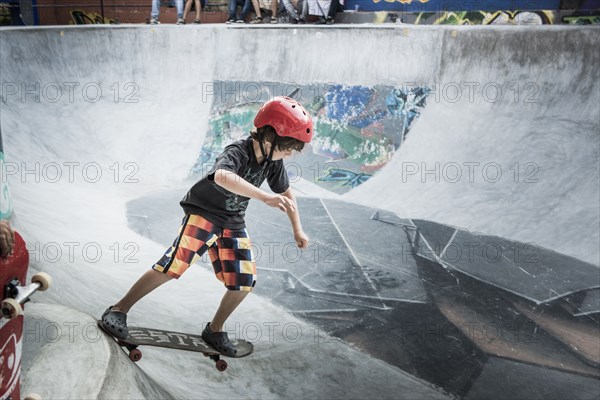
[
  {"x": 581, "y": 20},
  {"x": 486, "y": 18},
  {"x": 357, "y": 128},
  {"x": 81, "y": 17},
  {"x": 417, "y": 6}
]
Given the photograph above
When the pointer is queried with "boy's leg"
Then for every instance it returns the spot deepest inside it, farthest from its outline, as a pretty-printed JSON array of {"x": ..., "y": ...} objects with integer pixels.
[
  {"x": 114, "y": 319},
  {"x": 229, "y": 303},
  {"x": 195, "y": 236},
  {"x": 146, "y": 284},
  {"x": 234, "y": 265}
]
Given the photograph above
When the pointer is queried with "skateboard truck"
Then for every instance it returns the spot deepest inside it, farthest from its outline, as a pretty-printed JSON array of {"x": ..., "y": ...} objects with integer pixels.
[
  {"x": 221, "y": 365},
  {"x": 16, "y": 295}
]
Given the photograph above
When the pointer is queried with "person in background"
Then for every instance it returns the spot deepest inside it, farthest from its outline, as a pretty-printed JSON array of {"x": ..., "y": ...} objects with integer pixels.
[
  {"x": 7, "y": 239},
  {"x": 293, "y": 7},
  {"x": 233, "y": 5},
  {"x": 156, "y": 12},
  {"x": 329, "y": 16},
  {"x": 188, "y": 7},
  {"x": 258, "y": 19}
]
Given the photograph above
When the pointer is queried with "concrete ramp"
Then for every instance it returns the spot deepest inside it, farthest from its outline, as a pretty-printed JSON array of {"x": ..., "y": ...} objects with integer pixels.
[{"x": 67, "y": 357}]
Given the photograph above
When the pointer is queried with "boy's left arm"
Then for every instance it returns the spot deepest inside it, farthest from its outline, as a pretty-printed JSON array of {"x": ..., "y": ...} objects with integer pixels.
[{"x": 301, "y": 238}]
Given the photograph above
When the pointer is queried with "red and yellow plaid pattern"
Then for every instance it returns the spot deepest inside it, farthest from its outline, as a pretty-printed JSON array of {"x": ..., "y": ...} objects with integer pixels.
[{"x": 230, "y": 252}]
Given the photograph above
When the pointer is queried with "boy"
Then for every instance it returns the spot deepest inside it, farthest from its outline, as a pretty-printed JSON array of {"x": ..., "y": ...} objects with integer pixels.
[{"x": 215, "y": 207}]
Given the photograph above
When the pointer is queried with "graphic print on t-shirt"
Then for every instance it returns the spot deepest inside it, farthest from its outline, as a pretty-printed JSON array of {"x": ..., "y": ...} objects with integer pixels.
[{"x": 237, "y": 203}]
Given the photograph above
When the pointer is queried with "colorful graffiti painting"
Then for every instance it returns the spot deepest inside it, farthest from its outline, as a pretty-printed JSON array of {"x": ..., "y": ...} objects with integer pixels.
[
  {"x": 416, "y": 6},
  {"x": 81, "y": 17},
  {"x": 502, "y": 17},
  {"x": 582, "y": 20},
  {"x": 357, "y": 128}
]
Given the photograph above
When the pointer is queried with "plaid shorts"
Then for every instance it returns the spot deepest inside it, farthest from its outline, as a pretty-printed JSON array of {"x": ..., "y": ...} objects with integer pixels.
[{"x": 229, "y": 251}]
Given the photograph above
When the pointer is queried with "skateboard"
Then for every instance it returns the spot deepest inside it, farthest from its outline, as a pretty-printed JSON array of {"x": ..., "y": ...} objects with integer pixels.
[
  {"x": 13, "y": 272},
  {"x": 139, "y": 336}
]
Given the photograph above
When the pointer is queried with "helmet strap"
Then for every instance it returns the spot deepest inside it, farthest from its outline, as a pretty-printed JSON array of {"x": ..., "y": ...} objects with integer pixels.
[
  {"x": 273, "y": 145},
  {"x": 268, "y": 158},
  {"x": 262, "y": 149}
]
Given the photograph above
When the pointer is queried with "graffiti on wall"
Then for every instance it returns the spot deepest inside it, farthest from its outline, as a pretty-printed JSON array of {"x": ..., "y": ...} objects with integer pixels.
[
  {"x": 581, "y": 20},
  {"x": 81, "y": 17},
  {"x": 357, "y": 128},
  {"x": 502, "y": 17},
  {"x": 417, "y": 6}
]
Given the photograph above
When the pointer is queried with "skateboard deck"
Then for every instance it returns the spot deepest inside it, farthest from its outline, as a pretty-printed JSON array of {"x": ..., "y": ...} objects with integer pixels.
[
  {"x": 13, "y": 272},
  {"x": 140, "y": 336},
  {"x": 12, "y": 269}
]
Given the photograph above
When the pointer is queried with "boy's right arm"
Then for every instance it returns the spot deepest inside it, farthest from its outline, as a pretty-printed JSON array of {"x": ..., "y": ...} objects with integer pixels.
[{"x": 238, "y": 185}]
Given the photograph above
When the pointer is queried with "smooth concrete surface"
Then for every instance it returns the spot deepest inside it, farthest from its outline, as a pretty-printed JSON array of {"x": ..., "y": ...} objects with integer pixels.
[
  {"x": 130, "y": 122},
  {"x": 67, "y": 357}
]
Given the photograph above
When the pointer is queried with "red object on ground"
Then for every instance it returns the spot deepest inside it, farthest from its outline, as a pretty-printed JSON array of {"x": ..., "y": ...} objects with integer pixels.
[{"x": 11, "y": 330}]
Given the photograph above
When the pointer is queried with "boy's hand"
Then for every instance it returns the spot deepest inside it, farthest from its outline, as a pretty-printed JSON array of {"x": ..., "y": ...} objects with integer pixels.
[
  {"x": 279, "y": 201},
  {"x": 301, "y": 239},
  {"x": 7, "y": 239}
]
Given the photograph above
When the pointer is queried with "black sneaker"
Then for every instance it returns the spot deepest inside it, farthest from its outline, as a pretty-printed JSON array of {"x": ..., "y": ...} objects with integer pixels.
[
  {"x": 220, "y": 341},
  {"x": 230, "y": 21}
]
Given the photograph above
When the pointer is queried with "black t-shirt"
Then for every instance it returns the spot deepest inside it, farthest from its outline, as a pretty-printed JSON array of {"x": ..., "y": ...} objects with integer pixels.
[{"x": 222, "y": 207}]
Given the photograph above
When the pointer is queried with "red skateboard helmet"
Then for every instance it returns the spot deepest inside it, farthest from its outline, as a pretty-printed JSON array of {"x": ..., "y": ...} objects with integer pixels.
[{"x": 287, "y": 117}]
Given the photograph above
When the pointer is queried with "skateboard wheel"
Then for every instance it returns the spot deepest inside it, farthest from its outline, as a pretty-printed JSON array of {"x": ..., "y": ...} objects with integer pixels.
[
  {"x": 33, "y": 396},
  {"x": 135, "y": 355},
  {"x": 44, "y": 280},
  {"x": 221, "y": 365},
  {"x": 11, "y": 308}
]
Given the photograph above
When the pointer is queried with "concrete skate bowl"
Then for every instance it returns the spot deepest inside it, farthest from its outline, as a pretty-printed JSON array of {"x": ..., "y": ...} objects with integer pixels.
[{"x": 451, "y": 193}]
